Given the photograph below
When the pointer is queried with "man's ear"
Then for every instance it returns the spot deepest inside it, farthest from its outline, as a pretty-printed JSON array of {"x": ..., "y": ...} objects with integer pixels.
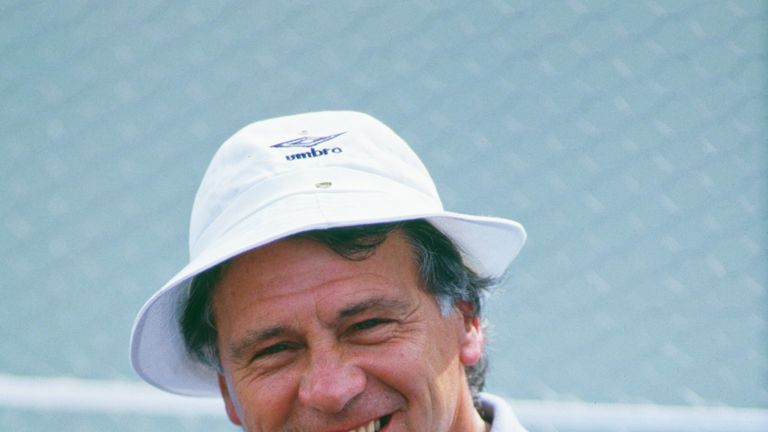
[
  {"x": 471, "y": 341},
  {"x": 228, "y": 402}
]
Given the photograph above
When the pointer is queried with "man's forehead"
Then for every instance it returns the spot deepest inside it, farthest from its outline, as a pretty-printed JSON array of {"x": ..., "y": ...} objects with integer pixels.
[
  {"x": 294, "y": 272},
  {"x": 299, "y": 255}
]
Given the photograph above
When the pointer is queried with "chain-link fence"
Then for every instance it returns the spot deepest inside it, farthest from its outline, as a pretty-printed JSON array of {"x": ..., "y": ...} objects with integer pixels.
[{"x": 629, "y": 138}]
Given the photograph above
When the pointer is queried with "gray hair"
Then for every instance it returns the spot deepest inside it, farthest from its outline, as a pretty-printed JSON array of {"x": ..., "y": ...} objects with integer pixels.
[{"x": 441, "y": 268}]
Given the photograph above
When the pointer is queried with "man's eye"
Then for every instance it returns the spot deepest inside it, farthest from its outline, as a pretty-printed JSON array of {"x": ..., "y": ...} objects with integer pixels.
[
  {"x": 369, "y": 324},
  {"x": 272, "y": 349}
]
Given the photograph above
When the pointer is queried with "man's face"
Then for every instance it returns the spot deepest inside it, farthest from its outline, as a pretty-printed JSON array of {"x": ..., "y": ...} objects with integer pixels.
[{"x": 311, "y": 341}]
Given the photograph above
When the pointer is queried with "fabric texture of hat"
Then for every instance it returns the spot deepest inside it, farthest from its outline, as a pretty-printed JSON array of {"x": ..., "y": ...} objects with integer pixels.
[{"x": 278, "y": 177}]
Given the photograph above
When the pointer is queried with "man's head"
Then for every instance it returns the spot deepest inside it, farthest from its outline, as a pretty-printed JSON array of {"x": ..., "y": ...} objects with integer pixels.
[
  {"x": 392, "y": 306},
  {"x": 305, "y": 180}
]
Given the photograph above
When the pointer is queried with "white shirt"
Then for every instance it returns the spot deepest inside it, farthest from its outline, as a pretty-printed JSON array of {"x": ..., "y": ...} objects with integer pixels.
[{"x": 498, "y": 412}]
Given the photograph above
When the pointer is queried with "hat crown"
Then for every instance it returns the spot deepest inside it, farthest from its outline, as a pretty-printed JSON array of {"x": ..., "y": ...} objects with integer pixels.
[{"x": 277, "y": 154}]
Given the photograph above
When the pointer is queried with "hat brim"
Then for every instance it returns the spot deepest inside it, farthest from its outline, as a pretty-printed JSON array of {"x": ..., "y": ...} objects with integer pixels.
[{"x": 158, "y": 352}]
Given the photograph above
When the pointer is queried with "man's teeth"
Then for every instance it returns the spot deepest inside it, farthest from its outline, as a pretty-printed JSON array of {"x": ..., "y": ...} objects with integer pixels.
[{"x": 373, "y": 426}]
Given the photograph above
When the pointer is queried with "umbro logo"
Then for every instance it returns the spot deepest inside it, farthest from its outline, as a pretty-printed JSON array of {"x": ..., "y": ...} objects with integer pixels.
[
  {"x": 309, "y": 142},
  {"x": 306, "y": 141}
]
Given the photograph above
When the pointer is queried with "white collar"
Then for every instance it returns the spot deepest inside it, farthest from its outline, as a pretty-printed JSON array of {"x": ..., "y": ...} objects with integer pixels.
[{"x": 499, "y": 413}]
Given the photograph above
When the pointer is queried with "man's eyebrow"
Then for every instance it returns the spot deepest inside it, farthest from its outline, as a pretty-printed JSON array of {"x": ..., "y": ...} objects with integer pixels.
[
  {"x": 241, "y": 349},
  {"x": 378, "y": 303}
]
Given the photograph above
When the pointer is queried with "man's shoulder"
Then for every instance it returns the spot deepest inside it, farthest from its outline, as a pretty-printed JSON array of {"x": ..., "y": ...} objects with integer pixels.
[{"x": 499, "y": 413}]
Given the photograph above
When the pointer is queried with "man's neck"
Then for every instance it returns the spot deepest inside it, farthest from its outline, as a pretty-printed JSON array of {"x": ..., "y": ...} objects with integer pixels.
[{"x": 468, "y": 419}]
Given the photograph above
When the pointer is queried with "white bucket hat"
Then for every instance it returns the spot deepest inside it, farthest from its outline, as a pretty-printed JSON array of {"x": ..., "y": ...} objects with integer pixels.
[{"x": 278, "y": 177}]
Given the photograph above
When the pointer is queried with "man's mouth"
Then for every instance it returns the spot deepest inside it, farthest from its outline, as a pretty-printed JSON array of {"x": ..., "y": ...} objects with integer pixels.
[{"x": 374, "y": 425}]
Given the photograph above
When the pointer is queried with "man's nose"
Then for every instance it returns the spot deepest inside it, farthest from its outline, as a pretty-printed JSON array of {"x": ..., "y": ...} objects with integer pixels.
[{"x": 330, "y": 383}]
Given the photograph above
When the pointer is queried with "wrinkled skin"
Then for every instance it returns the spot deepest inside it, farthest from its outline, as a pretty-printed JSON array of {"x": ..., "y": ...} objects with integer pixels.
[{"x": 311, "y": 341}]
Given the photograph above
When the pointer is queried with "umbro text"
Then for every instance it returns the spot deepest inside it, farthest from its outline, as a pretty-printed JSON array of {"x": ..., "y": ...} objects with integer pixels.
[{"x": 313, "y": 153}]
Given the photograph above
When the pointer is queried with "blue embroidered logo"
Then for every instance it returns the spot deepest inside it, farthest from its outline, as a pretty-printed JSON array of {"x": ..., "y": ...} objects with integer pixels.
[
  {"x": 306, "y": 141},
  {"x": 309, "y": 142}
]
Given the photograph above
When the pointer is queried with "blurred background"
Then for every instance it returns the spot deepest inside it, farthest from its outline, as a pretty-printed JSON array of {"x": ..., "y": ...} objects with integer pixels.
[{"x": 628, "y": 137}]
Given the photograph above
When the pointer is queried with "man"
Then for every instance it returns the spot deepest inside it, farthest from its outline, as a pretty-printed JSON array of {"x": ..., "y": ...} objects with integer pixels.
[{"x": 328, "y": 289}]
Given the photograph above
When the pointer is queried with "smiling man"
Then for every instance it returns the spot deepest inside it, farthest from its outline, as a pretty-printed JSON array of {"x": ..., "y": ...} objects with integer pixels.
[{"x": 327, "y": 289}]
